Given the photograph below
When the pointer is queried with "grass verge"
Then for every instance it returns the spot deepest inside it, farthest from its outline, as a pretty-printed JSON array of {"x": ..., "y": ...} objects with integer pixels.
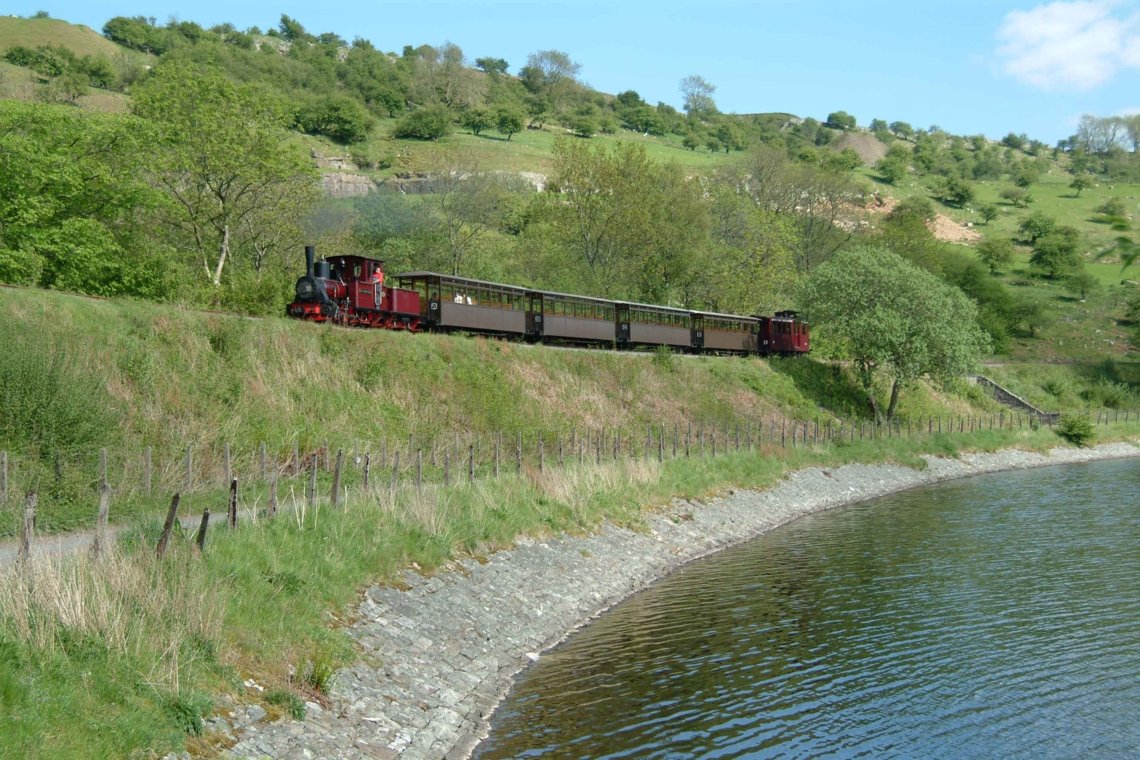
[{"x": 126, "y": 655}]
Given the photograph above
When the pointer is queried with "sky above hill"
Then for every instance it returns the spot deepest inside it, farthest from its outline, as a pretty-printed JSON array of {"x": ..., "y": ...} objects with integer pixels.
[{"x": 969, "y": 66}]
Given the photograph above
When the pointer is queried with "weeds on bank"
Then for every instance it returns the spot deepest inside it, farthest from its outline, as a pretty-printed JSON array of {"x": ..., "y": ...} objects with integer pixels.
[{"x": 103, "y": 658}]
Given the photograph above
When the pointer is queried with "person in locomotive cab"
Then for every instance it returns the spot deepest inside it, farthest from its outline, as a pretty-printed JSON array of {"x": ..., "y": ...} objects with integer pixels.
[{"x": 378, "y": 280}]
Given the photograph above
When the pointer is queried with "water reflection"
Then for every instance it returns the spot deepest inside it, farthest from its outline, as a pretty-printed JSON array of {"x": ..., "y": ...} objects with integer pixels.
[{"x": 992, "y": 617}]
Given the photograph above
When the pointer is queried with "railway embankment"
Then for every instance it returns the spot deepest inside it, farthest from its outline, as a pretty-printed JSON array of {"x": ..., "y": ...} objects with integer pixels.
[{"x": 439, "y": 652}]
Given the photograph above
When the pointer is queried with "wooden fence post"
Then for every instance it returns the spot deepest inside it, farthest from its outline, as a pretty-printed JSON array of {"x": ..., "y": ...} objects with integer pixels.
[
  {"x": 27, "y": 528},
  {"x": 498, "y": 441},
  {"x": 395, "y": 471},
  {"x": 3, "y": 477},
  {"x": 100, "y": 541},
  {"x": 233, "y": 503},
  {"x": 518, "y": 454},
  {"x": 167, "y": 526},
  {"x": 261, "y": 462},
  {"x": 296, "y": 469},
  {"x": 419, "y": 469},
  {"x": 471, "y": 463},
  {"x": 367, "y": 466},
  {"x": 312, "y": 489},
  {"x": 200, "y": 540},
  {"x": 336, "y": 478},
  {"x": 541, "y": 454},
  {"x": 447, "y": 466}
]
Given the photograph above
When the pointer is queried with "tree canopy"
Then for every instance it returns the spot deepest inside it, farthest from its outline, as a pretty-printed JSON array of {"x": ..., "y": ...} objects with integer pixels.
[{"x": 892, "y": 318}]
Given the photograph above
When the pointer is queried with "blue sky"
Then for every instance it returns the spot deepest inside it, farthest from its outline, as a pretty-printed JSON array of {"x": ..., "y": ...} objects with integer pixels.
[{"x": 972, "y": 66}]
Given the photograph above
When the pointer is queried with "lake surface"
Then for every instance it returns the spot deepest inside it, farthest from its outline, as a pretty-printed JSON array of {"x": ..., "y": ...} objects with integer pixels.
[{"x": 993, "y": 617}]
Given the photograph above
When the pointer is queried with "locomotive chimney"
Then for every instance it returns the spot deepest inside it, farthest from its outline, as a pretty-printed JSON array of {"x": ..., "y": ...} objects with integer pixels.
[{"x": 309, "y": 256}]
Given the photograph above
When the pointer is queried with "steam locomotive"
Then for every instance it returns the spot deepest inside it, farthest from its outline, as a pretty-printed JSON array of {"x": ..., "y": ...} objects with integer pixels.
[{"x": 351, "y": 291}]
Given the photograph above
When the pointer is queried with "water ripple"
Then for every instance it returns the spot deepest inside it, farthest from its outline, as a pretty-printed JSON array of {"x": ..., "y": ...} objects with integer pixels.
[{"x": 993, "y": 617}]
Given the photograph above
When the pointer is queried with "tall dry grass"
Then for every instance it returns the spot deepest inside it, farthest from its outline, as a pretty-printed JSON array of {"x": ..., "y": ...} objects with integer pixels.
[{"x": 135, "y": 606}]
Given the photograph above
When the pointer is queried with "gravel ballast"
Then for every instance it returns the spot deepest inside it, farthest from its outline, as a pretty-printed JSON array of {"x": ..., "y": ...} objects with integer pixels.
[{"x": 438, "y": 655}]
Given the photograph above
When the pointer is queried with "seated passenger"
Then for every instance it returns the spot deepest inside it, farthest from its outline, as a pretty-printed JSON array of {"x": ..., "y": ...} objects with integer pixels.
[{"x": 458, "y": 298}]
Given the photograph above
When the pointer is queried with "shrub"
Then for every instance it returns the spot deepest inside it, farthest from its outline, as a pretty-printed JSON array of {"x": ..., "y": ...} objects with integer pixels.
[
  {"x": 1076, "y": 429},
  {"x": 339, "y": 118},
  {"x": 429, "y": 123}
]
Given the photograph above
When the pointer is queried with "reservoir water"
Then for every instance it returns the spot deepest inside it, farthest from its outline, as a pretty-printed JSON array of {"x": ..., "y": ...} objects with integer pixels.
[{"x": 992, "y": 617}]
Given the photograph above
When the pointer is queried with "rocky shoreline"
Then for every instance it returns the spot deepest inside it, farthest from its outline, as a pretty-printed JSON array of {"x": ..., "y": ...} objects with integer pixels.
[{"x": 439, "y": 654}]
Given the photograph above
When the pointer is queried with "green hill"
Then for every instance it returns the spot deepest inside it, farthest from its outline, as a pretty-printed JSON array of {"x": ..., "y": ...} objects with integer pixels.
[{"x": 34, "y": 32}]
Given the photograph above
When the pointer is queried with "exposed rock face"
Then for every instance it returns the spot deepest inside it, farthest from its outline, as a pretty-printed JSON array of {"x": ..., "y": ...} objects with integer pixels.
[{"x": 345, "y": 185}]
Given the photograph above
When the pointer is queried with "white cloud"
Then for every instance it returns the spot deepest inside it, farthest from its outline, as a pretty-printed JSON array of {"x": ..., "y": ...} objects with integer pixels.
[{"x": 1070, "y": 45}]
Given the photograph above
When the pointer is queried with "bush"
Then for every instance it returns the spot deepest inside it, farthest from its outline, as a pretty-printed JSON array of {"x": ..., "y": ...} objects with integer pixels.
[
  {"x": 339, "y": 118},
  {"x": 1076, "y": 429},
  {"x": 429, "y": 123}
]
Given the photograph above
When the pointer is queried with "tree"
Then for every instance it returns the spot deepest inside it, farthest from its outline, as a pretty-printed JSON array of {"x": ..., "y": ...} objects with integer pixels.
[
  {"x": 73, "y": 199},
  {"x": 988, "y": 212},
  {"x": 1082, "y": 282},
  {"x": 840, "y": 120},
  {"x": 340, "y": 118},
  {"x": 902, "y": 130},
  {"x": 692, "y": 141},
  {"x": 464, "y": 201},
  {"x": 995, "y": 253},
  {"x": 222, "y": 160},
  {"x": 698, "y": 95},
  {"x": 1016, "y": 196},
  {"x": 1017, "y": 142},
  {"x": 493, "y": 66},
  {"x": 892, "y": 168},
  {"x": 1035, "y": 226},
  {"x": 510, "y": 122},
  {"x": 427, "y": 123},
  {"x": 892, "y": 318},
  {"x": 476, "y": 119},
  {"x": 1056, "y": 253},
  {"x": 955, "y": 191},
  {"x": 1079, "y": 183}
]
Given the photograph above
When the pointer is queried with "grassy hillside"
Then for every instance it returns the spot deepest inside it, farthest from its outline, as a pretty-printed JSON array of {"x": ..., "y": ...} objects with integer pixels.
[
  {"x": 33, "y": 32},
  {"x": 87, "y": 374}
]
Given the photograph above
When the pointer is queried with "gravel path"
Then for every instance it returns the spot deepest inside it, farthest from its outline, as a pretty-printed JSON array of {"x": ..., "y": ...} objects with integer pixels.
[{"x": 438, "y": 656}]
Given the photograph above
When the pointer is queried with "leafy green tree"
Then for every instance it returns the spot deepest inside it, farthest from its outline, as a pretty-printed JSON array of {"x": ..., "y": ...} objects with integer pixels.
[
  {"x": 995, "y": 253},
  {"x": 692, "y": 141},
  {"x": 988, "y": 212},
  {"x": 1082, "y": 283},
  {"x": 340, "y": 118},
  {"x": 880, "y": 129},
  {"x": 427, "y": 123},
  {"x": 892, "y": 168},
  {"x": 1056, "y": 253},
  {"x": 698, "y": 94},
  {"x": 902, "y": 130},
  {"x": 1079, "y": 183},
  {"x": 223, "y": 162},
  {"x": 73, "y": 203},
  {"x": 840, "y": 120},
  {"x": 1025, "y": 175},
  {"x": 510, "y": 122},
  {"x": 1017, "y": 142},
  {"x": 1016, "y": 196},
  {"x": 1036, "y": 225},
  {"x": 493, "y": 66},
  {"x": 893, "y": 319},
  {"x": 955, "y": 191},
  {"x": 476, "y": 120}
]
